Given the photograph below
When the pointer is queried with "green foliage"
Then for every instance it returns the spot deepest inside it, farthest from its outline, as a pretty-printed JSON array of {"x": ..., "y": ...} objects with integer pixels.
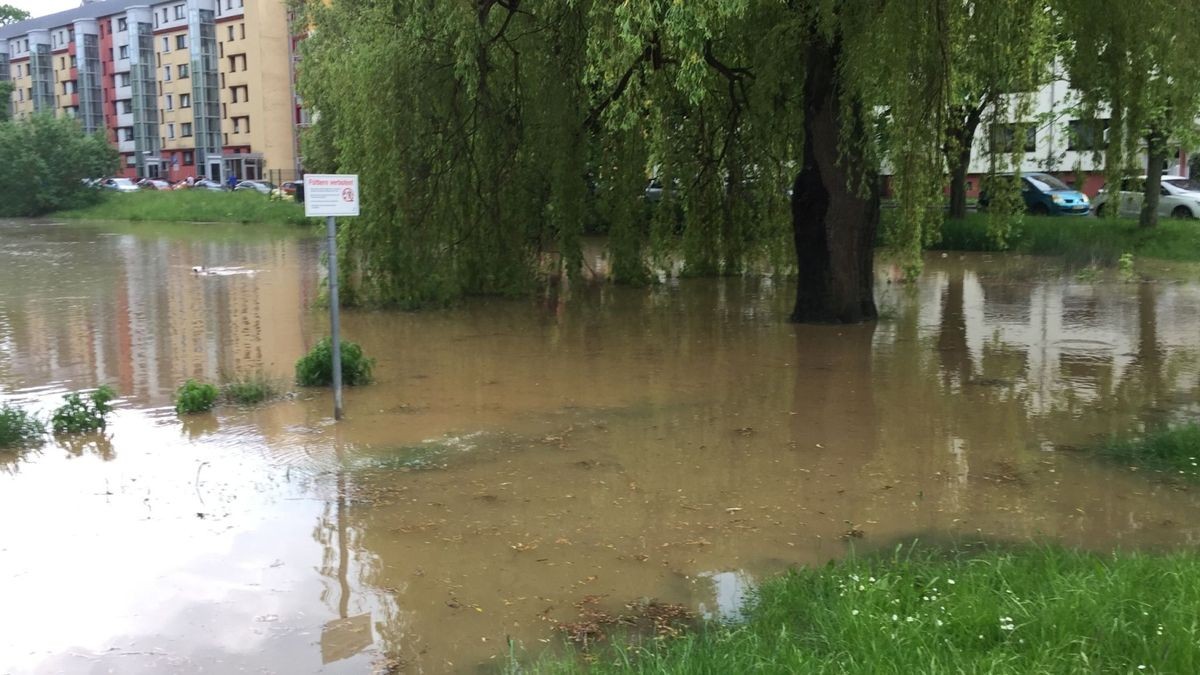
[
  {"x": 1175, "y": 451},
  {"x": 249, "y": 390},
  {"x": 45, "y": 162},
  {"x": 918, "y": 610},
  {"x": 195, "y": 397},
  {"x": 190, "y": 206},
  {"x": 1080, "y": 241},
  {"x": 81, "y": 414},
  {"x": 6, "y": 90},
  {"x": 18, "y": 428},
  {"x": 10, "y": 14},
  {"x": 315, "y": 369},
  {"x": 1134, "y": 65}
]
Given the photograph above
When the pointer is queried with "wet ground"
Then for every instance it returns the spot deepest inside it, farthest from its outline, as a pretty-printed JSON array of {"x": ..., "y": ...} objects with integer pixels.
[{"x": 517, "y": 458}]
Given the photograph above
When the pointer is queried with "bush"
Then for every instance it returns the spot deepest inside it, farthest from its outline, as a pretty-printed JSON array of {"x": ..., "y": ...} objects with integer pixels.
[
  {"x": 18, "y": 428},
  {"x": 1175, "y": 450},
  {"x": 195, "y": 397},
  {"x": 315, "y": 369},
  {"x": 80, "y": 414},
  {"x": 250, "y": 390},
  {"x": 45, "y": 161}
]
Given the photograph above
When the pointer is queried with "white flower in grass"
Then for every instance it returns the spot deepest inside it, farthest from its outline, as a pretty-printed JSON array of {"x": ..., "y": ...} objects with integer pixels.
[
  {"x": 1141, "y": 667},
  {"x": 854, "y": 612},
  {"x": 871, "y": 579},
  {"x": 895, "y": 618},
  {"x": 950, "y": 581},
  {"x": 908, "y": 619},
  {"x": 1006, "y": 623},
  {"x": 939, "y": 622}
]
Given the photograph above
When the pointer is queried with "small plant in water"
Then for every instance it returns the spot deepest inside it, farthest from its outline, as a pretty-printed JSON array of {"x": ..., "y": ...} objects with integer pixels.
[
  {"x": 249, "y": 390},
  {"x": 1125, "y": 264},
  {"x": 18, "y": 429},
  {"x": 315, "y": 369},
  {"x": 80, "y": 414},
  {"x": 195, "y": 397}
]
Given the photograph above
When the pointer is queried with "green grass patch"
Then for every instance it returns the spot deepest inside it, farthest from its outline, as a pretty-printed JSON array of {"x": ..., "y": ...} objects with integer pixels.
[
  {"x": 1080, "y": 240},
  {"x": 917, "y": 610},
  {"x": 315, "y": 369},
  {"x": 249, "y": 390},
  {"x": 18, "y": 428},
  {"x": 190, "y": 206},
  {"x": 1175, "y": 451},
  {"x": 83, "y": 413},
  {"x": 195, "y": 397}
]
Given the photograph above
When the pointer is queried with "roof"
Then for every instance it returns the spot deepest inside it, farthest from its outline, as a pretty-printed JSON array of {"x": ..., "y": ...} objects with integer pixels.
[{"x": 92, "y": 10}]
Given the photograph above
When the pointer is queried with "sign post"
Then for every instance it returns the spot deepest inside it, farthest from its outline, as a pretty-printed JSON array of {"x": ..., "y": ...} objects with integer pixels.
[{"x": 329, "y": 196}]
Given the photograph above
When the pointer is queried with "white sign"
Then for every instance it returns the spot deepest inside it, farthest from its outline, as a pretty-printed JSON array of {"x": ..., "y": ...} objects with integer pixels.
[{"x": 330, "y": 195}]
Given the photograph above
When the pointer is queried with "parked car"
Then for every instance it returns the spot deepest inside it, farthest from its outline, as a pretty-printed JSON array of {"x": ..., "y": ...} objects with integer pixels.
[
  {"x": 260, "y": 186},
  {"x": 119, "y": 185},
  {"x": 153, "y": 184},
  {"x": 1045, "y": 195},
  {"x": 288, "y": 187},
  {"x": 206, "y": 184},
  {"x": 1179, "y": 197}
]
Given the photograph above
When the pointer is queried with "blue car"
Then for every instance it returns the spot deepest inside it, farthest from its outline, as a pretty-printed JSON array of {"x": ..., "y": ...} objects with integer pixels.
[{"x": 1046, "y": 195}]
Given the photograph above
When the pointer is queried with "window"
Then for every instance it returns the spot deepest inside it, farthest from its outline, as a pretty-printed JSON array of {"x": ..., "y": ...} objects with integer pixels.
[
  {"x": 185, "y": 129},
  {"x": 170, "y": 102},
  {"x": 125, "y": 107},
  {"x": 181, "y": 41},
  {"x": 124, "y": 52},
  {"x": 167, "y": 73},
  {"x": 166, "y": 44},
  {"x": 242, "y": 30},
  {"x": 185, "y": 100},
  {"x": 122, "y": 79},
  {"x": 1087, "y": 134},
  {"x": 1003, "y": 137},
  {"x": 183, "y": 71},
  {"x": 230, "y": 27},
  {"x": 188, "y": 158},
  {"x": 240, "y": 94},
  {"x": 122, "y": 25},
  {"x": 126, "y": 133},
  {"x": 164, "y": 15},
  {"x": 179, "y": 9},
  {"x": 62, "y": 63},
  {"x": 170, "y": 131},
  {"x": 74, "y": 62},
  {"x": 129, "y": 160}
]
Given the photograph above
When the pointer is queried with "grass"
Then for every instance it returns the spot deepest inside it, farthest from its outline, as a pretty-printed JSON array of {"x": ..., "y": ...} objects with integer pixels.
[
  {"x": 18, "y": 428},
  {"x": 1081, "y": 240},
  {"x": 249, "y": 390},
  {"x": 1175, "y": 451},
  {"x": 190, "y": 206},
  {"x": 919, "y": 610}
]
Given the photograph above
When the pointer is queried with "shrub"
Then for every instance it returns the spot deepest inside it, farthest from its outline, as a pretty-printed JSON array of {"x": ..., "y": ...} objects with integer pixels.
[
  {"x": 81, "y": 414},
  {"x": 250, "y": 390},
  {"x": 315, "y": 369},
  {"x": 18, "y": 428},
  {"x": 195, "y": 397},
  {"x": 45, "y": 161}
]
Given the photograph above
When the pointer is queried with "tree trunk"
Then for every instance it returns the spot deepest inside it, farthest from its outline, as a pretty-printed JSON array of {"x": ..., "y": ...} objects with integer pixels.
[
  {"x": 1156, "y": 154},
  {"x": 835, "y": 208},
  {"x": 959, "y": 159}
]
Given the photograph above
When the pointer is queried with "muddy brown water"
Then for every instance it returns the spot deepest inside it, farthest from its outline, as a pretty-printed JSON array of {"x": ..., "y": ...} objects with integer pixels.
[{"x": 515, "y": 457}]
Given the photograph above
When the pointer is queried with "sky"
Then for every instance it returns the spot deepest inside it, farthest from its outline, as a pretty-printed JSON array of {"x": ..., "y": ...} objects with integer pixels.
[{"x": 42, "y": 7}]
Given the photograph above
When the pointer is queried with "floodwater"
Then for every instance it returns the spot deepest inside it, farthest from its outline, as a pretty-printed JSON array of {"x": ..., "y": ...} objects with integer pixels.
[{"x": 516, "y": 457}]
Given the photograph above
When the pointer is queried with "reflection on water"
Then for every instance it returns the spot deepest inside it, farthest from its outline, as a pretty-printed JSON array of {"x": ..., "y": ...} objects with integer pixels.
[{"x": 515, "y": 458}]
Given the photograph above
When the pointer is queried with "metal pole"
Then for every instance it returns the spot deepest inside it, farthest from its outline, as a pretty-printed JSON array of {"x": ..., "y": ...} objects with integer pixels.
[{"x": 335, "y": 316}]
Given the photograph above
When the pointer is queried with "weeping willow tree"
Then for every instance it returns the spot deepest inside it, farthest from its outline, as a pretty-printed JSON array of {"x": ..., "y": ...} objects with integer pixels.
[
  {"x": 1137, "y": 64},
  {"x": 486, "y": 132}
]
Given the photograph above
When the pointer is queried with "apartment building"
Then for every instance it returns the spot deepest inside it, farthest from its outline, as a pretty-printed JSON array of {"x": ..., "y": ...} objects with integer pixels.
[{"x": 182, "y": 88}]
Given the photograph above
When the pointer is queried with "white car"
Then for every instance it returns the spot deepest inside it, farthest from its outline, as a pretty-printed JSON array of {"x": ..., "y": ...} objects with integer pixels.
[
  {"x": 119, "y": 185},
  {"x": 1179, "y": 198}
]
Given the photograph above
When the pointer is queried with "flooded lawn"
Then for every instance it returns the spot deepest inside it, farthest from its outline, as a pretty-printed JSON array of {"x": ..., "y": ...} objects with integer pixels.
[{"x": 516, "y": 459}]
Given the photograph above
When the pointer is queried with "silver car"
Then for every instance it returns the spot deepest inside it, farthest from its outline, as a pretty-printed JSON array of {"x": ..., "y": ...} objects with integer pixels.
[{"x": 1179, "y": 197}]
